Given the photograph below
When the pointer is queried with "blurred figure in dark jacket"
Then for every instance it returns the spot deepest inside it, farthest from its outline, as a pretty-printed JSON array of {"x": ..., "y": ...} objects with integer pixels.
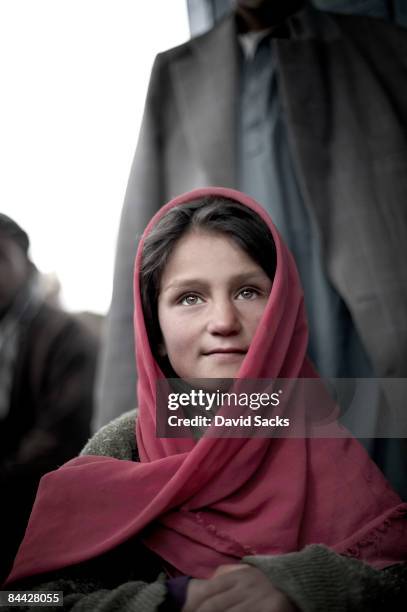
[{"x": 47, "y": 364}]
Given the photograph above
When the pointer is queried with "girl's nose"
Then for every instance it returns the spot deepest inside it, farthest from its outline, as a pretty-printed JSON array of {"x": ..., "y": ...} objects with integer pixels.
[{"x": 224, "y": 318}]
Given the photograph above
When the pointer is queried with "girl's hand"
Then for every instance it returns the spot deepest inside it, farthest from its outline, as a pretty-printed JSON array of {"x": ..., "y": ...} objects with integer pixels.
[{"x": 238, "y": 587}]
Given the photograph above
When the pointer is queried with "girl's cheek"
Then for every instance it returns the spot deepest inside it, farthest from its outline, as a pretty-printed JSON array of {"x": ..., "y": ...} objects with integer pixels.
[{"x": 179, "y": 340}]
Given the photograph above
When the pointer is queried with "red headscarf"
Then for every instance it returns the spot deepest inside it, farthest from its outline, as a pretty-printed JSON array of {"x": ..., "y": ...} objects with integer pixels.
[{"x": 213, "y": 501}]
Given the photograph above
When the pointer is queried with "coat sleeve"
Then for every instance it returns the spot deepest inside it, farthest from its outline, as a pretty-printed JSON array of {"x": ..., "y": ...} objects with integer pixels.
[
  {"x": 88, "y": 596},
  {"x": 116, "y": 387},
  {"x": 317, "y": 578},
  {"x": 127, "y": 578}
]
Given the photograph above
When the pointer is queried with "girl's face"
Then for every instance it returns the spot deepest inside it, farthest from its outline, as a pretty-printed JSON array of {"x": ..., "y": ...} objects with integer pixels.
[{"x": 212, "y": 296}]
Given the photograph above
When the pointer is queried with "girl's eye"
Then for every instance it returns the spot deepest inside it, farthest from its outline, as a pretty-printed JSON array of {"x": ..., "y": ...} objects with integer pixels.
[
  {"x": 190, "y": 300},
  {"x": 247, "y": 294}
]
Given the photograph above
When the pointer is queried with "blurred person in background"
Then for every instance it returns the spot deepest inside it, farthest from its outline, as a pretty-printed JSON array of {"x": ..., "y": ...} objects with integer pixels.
[
  {"x": 47, "y": 366},
  {"x": 305, "y": 111}
]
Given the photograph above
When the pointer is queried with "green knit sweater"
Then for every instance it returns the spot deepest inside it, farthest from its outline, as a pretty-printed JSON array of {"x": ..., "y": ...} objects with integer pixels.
[{"x": 128, "y": 579}]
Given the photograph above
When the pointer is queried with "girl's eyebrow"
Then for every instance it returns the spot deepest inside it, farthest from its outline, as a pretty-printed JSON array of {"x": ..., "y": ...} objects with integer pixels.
[{"x": 186, "y": 283}]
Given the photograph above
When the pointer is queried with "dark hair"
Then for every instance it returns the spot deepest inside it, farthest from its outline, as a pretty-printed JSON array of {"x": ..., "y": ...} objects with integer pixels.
[
  {"x": 12, "y": 230},
  {"x": 211, "y": 214}
]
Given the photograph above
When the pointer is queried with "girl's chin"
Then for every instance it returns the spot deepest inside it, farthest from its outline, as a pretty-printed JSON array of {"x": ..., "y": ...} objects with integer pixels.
[
  {"x": 210, "y": 383},
  {"x": 217, "y": 373}
]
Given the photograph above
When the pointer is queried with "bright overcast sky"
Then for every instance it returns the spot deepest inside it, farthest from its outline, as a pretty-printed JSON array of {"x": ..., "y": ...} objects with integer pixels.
[{"x": 73, "y": 79}]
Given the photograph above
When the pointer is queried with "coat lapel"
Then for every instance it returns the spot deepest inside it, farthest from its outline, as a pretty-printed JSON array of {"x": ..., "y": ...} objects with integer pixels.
[{"x": 209, "y": 111}]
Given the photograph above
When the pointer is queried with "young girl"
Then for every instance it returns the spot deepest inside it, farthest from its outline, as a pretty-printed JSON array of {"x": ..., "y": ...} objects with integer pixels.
[{"x": 263, "y": 524}]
